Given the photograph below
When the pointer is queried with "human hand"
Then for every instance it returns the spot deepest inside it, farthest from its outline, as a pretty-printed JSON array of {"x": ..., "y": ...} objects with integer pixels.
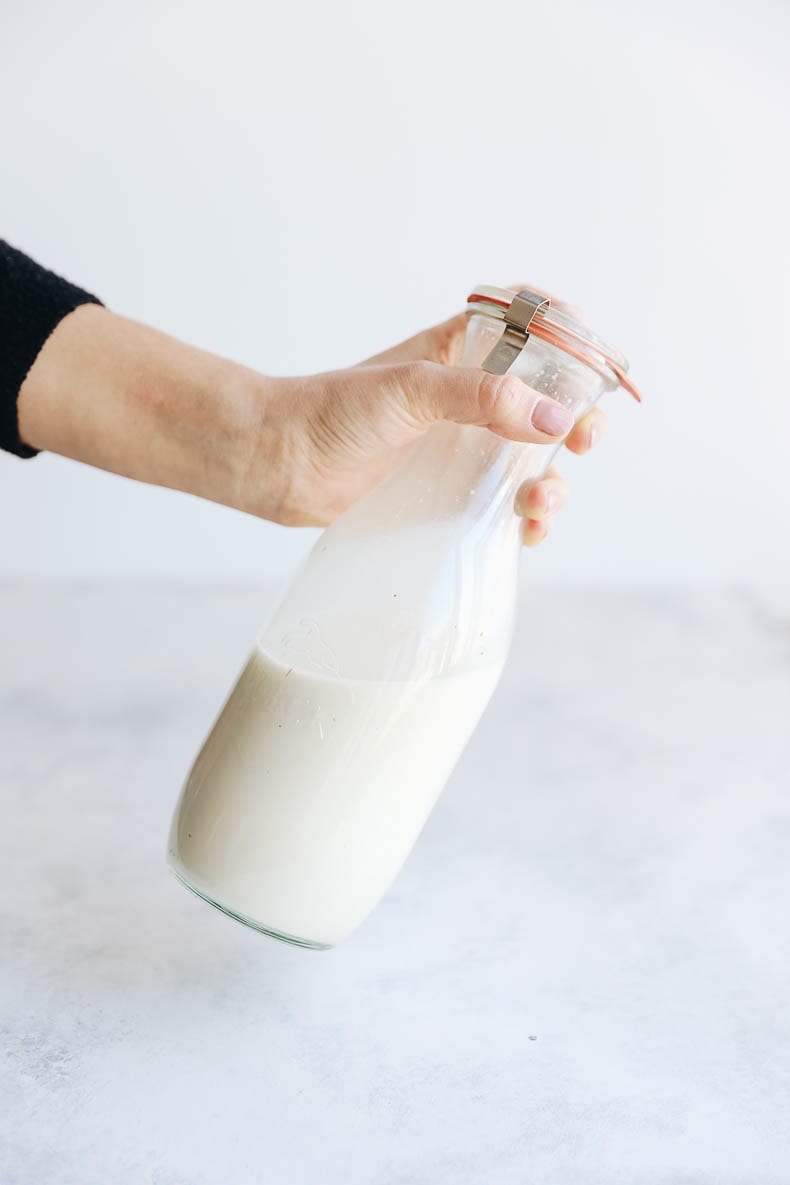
[
  {"x": 354, "y": 426},
  {"x": 123, "y": 397}
]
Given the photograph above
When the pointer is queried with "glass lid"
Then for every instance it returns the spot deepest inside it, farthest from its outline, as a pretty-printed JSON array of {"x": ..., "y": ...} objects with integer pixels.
[{"x": 557, "y": 328}]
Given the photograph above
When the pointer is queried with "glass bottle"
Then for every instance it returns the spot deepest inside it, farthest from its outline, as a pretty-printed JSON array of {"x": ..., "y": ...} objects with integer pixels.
[{"x": 363, "y": 689}]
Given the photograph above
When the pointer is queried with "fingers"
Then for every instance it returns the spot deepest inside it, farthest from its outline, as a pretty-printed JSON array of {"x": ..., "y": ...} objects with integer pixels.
[
  {"x": 441, "y": 343},
  {"x": 542, "y": 500},
  {"x": 538, "y": 503},
  {"x": 502, "y": 403},
  {"x": 534, "y": 531},
  {"x": 587, "y": 432}
]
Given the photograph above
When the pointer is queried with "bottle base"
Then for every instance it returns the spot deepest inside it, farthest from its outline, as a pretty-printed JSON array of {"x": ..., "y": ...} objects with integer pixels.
[{"x": 270, "y": 932}]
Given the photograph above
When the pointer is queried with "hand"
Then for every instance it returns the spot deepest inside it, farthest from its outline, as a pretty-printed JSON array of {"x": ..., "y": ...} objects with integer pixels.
[
  {"x": 356, "y": 425},
  {"x": 536, "y": 503},
  {"x": 123, "y": 397}
]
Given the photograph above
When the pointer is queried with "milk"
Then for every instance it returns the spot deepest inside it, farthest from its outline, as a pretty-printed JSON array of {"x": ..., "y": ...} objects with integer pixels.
[{"x": 311, "y": 790}]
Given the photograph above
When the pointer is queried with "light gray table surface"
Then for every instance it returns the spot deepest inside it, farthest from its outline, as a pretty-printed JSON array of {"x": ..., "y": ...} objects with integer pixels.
[{"x": 581, "y": 975}]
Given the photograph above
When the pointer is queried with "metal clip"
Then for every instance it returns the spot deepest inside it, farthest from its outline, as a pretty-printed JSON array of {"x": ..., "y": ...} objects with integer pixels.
[{"x": 518, "y": 319}]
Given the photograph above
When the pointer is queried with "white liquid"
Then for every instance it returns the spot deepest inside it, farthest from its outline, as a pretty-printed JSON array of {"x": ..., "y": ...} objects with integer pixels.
[{"x": 310, "y": 792}]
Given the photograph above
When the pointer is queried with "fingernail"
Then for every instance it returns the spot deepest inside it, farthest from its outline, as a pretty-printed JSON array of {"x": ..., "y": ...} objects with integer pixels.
[
  {"x": 551, "y": 417},
  {"x": 594, "y": 434}
]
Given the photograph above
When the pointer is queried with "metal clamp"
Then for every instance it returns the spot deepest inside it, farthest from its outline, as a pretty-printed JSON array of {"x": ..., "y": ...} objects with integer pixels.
[{"x": 518, "y": 319}]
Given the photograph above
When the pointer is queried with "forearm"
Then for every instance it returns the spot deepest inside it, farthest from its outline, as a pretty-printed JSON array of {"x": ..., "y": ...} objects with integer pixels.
[{"x": 124, "y": 397}]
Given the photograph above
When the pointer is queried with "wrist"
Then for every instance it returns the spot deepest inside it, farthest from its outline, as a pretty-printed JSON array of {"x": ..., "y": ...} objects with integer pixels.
[{"x": 124, "y": 397}]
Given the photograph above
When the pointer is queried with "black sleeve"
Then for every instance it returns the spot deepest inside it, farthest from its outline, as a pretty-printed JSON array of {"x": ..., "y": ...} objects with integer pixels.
[{"x": 32, "y": 302}]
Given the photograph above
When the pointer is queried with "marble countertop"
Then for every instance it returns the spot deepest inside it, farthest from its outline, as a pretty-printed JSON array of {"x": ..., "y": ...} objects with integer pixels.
[{"x": 580, "y": 978}]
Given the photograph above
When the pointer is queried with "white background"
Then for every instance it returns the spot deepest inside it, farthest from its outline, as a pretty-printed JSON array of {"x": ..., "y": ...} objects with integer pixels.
[{"x": 202, "y": 166}]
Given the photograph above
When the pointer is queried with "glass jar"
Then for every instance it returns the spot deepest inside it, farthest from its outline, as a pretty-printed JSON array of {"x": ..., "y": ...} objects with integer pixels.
[{"x": 363, "y": 689}]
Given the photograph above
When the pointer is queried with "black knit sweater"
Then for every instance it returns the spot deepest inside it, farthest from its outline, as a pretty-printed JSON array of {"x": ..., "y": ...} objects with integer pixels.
[{"x": 32, "y": 302}]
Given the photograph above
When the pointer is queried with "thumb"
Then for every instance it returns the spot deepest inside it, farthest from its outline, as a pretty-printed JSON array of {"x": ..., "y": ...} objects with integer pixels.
[{"x": 501, "y": 402}]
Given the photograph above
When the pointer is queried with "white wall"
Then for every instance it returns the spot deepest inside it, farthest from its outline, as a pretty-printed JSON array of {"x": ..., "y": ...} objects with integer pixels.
[{"x": 199, "y": 166}]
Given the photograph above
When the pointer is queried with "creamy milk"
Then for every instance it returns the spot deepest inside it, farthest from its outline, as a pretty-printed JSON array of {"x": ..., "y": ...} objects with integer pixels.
[{"x": 310, "y": 792}]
